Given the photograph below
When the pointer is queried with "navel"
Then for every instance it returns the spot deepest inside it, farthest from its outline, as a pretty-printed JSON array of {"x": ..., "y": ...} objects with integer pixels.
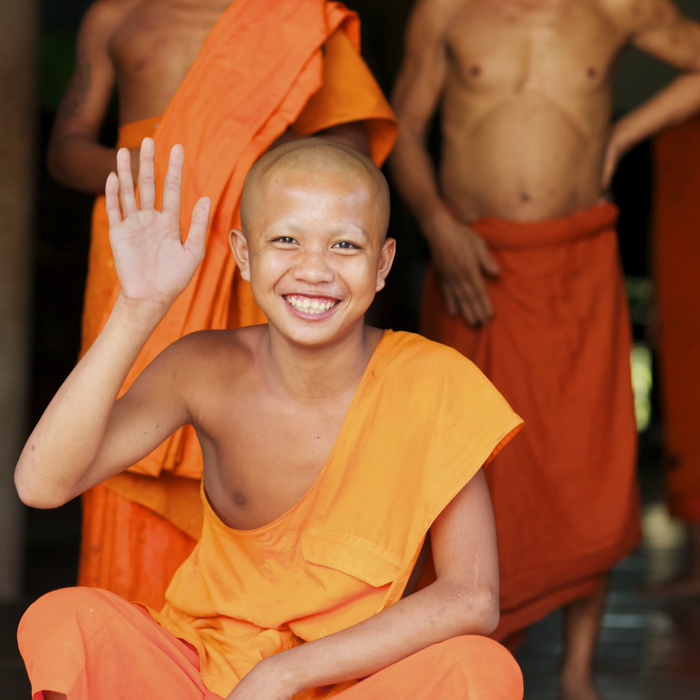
[
  {"x": 592, "y": 73},
  {"x": 475, "y": 70},
  {"x": 525, "y": 197},
  {"x": 239, "y": 499}
]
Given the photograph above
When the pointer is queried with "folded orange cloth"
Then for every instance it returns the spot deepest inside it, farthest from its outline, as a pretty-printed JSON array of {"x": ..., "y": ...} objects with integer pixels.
[
  {"x": 564, "y": 495},
  {"x": 677, "y": 261},
  {"x": 92, "y": 645},
  {"x": 253, "y": 79}
]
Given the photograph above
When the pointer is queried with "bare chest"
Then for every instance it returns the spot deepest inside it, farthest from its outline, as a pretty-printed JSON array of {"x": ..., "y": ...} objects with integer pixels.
[
  {"x": 546, "y": 45},
  {"x": 261, "y": 457},
  {"x": 159, "y": 40}
]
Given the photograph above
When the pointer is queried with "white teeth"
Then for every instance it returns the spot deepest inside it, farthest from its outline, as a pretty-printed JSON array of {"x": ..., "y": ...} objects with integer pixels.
[{"x": 310, "y": 306}]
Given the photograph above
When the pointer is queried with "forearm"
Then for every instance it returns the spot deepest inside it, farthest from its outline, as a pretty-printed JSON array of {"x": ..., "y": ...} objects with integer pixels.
[
  {"x": 414, "y": 175},
  {"x": 78, "y": 162},
  {"x": 59, "y": 452},
  {"x": 439, "y": 612},
  {"x": 674, "y": 104}
]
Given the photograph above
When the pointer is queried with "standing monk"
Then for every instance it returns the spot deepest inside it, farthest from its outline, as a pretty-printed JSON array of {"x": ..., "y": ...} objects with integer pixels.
[
  {"x": 526, "y": 279},
  {"x": 676, "y": 258},
  {"x": 227, "y": 81}
]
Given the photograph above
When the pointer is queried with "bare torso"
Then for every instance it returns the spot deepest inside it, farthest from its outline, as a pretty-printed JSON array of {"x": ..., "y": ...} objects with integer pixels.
[
  {"x": 526, "y": 106},
  {"x": 262, "y": 449},
  {"x": 152, "y": 48}
]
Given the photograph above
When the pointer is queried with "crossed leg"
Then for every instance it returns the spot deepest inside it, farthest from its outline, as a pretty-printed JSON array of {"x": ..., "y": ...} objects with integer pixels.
[{"x": 67, "y": 639}]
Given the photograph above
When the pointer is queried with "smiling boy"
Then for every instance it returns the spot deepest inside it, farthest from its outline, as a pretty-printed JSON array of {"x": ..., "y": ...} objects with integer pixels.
[{"x": 330, "y": 449}]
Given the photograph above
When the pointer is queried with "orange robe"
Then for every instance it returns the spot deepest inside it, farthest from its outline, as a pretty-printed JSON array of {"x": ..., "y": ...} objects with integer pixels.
[
  {"x": 422, "y": 422},
  {"x": 565, "y": 495},
  {"x": 677, "y": 262},
  {"x": 254, "y": 79}
]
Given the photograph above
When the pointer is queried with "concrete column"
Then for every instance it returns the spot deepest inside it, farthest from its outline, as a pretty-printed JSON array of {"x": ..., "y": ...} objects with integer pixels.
[{"x": 18, "y": 46}]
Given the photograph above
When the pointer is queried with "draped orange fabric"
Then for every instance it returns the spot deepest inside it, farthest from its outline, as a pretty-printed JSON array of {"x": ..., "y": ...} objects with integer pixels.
[
  {"x": 67, "y": 635},
  {"x": 677, "y": 261},
  {"x": 558, "y": 349},
  {"x": 422, "y": 422},
  {"x": 253, "y": 80}
]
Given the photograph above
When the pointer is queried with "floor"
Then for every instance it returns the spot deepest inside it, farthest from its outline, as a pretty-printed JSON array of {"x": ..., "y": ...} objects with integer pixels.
[{"x": 649, "y": 649}]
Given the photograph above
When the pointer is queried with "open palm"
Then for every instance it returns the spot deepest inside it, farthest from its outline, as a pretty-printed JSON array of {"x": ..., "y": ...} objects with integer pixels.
[{"x": 153, "y": 264}]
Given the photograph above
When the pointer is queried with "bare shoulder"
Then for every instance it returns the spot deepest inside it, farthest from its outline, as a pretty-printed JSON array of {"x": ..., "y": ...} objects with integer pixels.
[
  {"x": 432, "y": 18},
  {"x": 104, "y": 16},
  {"x": 215, "y": 353},
  {"x": 634, "y": 16}
]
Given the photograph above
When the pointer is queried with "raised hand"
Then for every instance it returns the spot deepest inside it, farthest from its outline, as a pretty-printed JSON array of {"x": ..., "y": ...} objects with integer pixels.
[
  {"x": 461, "y": 258},
  {"x": 153, "y": 264}
]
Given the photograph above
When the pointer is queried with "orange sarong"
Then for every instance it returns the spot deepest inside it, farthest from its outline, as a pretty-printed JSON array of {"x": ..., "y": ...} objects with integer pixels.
[
  {"x": 422, "y": 422},
  {"x": 564, "y": 495},
  {"x": 255, "y": 77},
  {"x": 677, "y": 261}
]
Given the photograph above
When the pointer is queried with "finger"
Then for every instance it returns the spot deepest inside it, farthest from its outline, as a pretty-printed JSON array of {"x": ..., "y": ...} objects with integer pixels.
[
  {"x": 450, "y": 305},
  {"x": 173, "y": 180},
  {"x": 126, "y": 182},
  {"x": 147, "y": 175},
  {"x": 114, "y": 214},
  {"x": 475, "y": 293},
  {"x": 466, "y": 311},
  {"x": 486, "y": 260},
  {"x": 197, "y": 236}
]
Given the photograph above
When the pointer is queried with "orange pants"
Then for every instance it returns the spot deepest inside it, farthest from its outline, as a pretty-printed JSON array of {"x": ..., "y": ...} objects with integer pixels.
[{"x": 90, "y": 643}]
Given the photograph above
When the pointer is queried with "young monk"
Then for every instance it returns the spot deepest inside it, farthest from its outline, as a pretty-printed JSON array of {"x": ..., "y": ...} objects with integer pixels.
[
  {"x": 220, "y": 78},
  {"x": 330, "y": 449}
]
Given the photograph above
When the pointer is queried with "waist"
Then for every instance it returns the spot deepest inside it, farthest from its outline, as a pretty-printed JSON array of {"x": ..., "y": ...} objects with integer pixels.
[
  {"x": 510, "y": 234},
  {"x": 131, "y": 134}
]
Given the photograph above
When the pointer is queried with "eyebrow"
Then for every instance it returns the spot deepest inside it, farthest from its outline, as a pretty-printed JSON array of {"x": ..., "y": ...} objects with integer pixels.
[{"x": 289, "y": 227}]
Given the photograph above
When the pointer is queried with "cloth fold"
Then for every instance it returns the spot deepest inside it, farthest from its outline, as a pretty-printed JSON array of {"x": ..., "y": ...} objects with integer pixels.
[{"x": 565, "y": 495}]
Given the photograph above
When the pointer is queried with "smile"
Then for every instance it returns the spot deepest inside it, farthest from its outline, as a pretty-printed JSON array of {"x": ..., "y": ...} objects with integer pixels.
[{"x": 310, "y": 305}]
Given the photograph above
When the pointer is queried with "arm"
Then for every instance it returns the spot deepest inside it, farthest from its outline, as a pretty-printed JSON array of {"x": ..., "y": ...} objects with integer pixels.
[
  {"x": 459, "y": 254},
  {"x": 75, "y": 158},
  {"x": 463, "y": 600},
  {"x": 661, "y": 31},
  {"x": 84, "y": 437}
]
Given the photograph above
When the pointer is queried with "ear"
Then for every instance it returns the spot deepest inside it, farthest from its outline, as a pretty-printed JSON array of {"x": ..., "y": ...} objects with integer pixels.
[
  {"x": 239, "y": 248},
  {"x": 386, "y": 260}
]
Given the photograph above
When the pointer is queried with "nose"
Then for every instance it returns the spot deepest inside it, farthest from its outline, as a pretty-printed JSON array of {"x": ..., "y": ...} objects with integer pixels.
[{"x": 312, "y": 266}]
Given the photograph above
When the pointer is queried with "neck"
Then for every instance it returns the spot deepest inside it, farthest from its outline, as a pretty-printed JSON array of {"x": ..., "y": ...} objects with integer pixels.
[{"x": 319, "y": 373}]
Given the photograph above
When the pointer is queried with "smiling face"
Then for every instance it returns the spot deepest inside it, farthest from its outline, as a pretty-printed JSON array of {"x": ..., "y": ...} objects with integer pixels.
[{"x": 314, "y": 219}]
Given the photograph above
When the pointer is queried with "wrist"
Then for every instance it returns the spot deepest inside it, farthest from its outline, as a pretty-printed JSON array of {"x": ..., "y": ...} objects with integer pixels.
[
  {"x": 139, "y": 313},
  {"x": 282, "y": 673}
]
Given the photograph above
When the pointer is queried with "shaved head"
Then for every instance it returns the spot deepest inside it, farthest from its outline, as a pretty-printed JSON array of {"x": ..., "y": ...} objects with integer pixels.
[{"x": 313, "y": 162}]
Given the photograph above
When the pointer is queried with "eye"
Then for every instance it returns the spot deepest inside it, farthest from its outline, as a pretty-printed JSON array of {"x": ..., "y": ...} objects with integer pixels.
[
  {"x": 284, "y": 239},
  {"x": 346, "y": 245}
]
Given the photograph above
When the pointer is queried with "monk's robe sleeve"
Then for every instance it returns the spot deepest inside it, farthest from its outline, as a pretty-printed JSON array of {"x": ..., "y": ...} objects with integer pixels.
[{"x": 349, "y": 93}]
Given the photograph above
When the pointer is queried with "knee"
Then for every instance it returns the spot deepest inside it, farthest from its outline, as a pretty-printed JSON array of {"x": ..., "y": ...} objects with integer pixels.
[
  {"x": 487, "y": 663},
  {"x": 66, "y": 606}
]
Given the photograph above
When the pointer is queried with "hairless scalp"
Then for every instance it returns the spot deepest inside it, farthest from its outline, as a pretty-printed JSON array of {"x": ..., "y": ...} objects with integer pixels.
[{"x": 315, "y": 157}]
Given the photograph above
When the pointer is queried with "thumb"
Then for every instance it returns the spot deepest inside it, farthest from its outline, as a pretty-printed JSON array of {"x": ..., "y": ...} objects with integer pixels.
[{"x": 197, "y": 236}]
